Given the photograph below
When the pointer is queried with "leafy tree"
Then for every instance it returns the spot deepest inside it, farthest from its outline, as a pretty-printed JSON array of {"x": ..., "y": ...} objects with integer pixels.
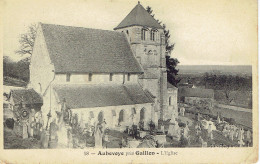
[
  {"x": 171, "y": 63},
  {"x": 27, "y": 41},
  {"x": 227, "y": 83}
]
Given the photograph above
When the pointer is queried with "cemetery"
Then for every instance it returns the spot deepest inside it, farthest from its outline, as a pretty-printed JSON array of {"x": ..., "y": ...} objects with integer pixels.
[{"x": 192, "y": 128}]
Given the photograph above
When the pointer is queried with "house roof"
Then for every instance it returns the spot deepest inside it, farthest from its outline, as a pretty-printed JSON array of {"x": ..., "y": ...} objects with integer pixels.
[
  {"x": 139, "y": 17},
  {"x": 25, "y": 96},
  {"x": 84, "y": 50},
  {"x": 196, "y": 92},
  {"x": 88, "y": 96}
]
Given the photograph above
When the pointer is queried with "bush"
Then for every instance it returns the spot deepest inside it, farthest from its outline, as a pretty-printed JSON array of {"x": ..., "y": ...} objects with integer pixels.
[{"x": 9, "y": 123}]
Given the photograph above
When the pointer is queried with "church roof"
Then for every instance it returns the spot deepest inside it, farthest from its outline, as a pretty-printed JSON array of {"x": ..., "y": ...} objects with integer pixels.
[
  {"x": 89, "y": 96},
  {"x": 84, "y": 50},
  {"x": 139, "y": 17}
]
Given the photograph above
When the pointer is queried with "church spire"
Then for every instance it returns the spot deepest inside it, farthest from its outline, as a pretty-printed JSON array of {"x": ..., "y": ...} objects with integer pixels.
[{"x": 139, "y": 17}]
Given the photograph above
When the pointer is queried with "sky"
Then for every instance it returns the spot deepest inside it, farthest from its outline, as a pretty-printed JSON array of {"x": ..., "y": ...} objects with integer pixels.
[{"x": 205, "y": 32}]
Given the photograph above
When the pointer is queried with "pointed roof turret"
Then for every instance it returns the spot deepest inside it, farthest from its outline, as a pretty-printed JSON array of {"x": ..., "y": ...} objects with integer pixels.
[{"x": 139, "y": 17}]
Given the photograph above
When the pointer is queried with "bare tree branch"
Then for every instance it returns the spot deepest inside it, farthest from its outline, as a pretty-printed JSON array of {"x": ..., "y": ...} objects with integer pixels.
[{"x": 27, "y": 41}]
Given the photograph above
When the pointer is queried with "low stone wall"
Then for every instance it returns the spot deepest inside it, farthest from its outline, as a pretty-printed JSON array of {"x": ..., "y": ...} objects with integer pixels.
[{"x": 206, "y": 102}]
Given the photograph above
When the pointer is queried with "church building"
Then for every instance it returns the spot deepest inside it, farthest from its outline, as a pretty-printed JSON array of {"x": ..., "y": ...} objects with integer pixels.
[{"x": 118, "y": 76}]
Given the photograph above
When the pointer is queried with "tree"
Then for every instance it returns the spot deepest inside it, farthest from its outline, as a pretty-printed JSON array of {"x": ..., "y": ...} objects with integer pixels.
[
  {"x": 27, "y": 41},
  {"x": 171, "y": 63}
]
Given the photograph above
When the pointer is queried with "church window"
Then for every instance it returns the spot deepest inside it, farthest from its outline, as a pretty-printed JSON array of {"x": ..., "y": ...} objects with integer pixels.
[
  {"x": 111, "y": 77},
  {"x": 113, "y": 113},
  {"x": 128, "y": 77},
  {"x": 170, "y": 100},
  {"x": 121, "y": 117},
  {"x": 68, "y": 77},
  {"x": 91, "y": 113},
  {"x": 127, "y": 32},
  {"x": 153, "y": 35},
  {"x": 90, "y": 77},
  {"x": 143, "y": 34},
  {"x": 133, "y": 111}
]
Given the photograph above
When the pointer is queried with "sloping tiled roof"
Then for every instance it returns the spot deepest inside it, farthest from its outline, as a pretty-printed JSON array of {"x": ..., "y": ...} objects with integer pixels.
[
  {"x": 84, "y": 50},
  {"x": 26, "y": 96},
  {"x": 140, "y": 17},
  {"x": 196, "y": 92},
  {"x": 88, "y": 96}
]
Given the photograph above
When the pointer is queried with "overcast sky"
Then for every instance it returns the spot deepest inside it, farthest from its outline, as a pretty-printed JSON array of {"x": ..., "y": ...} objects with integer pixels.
[{"x": 204, "y": 31}]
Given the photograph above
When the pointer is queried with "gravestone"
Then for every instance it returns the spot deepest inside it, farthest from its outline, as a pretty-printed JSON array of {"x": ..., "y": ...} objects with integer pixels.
[
  {"x": 210, "y": 134},
  {"x": 186, "y": 131},
  {"x": 98, "y": 137},
  {"x": 174, "y": 131},
  {"x": 231, "y": 134},
  {"x": 25, "y": 131},
  {"x": 44, "y": 139},
  {"x": 218, "y": 120}
]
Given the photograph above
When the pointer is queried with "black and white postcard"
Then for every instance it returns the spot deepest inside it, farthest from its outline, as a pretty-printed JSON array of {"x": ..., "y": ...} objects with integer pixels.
[{"x": 128, "y": 81}]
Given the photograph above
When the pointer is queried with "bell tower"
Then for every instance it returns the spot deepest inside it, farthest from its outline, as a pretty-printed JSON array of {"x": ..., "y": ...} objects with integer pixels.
[{"x": 147, "y": 40}]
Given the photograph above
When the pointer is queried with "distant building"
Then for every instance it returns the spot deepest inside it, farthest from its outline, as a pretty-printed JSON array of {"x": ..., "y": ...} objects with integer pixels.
[
  {"x": 29, "y": 98},
  {"x": 196, "y": 96},
  {"x": 25, "y": 104}
]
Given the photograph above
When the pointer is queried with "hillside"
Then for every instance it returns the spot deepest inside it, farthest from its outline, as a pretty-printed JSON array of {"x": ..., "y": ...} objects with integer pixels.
[
  {"x": 224, "y": 69},
  {"x": 15, "y": 73}
]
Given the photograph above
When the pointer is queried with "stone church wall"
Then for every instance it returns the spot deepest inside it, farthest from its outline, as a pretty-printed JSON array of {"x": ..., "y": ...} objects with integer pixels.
[{"x": 111, "y": 115}]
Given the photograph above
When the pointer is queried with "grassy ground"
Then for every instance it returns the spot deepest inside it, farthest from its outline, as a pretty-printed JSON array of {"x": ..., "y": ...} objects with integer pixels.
[
  {"x": 13, "y": 141},
  {"x": 243, "y": 118},
  {"x": 9, "y": 81}
]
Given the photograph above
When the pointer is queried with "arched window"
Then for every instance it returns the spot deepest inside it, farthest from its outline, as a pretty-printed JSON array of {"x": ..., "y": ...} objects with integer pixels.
[
  {"x": 154, "y": 34},
  {"x": 143, "y": 34},
  {"x": 100, "y": 117},
  {"x": 121, "y": 116},
  {"x": 142, "y": 114},
  {"x": 127, "y": 32},
  {"x": 170, "y": 100},
  {"x": 157, "y": 36}
]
